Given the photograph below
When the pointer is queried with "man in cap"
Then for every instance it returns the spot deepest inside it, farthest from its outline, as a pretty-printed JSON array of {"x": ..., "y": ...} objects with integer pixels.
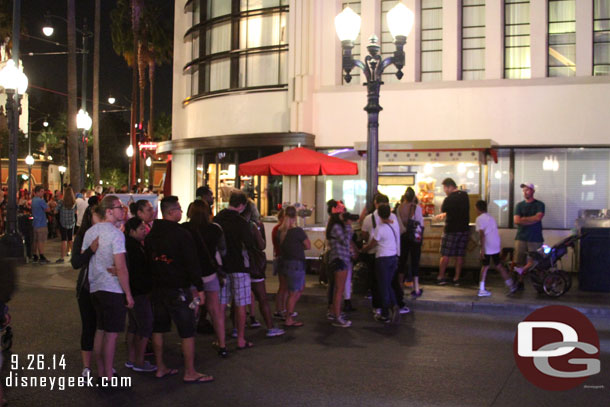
[{"x": 528, "y": 218}]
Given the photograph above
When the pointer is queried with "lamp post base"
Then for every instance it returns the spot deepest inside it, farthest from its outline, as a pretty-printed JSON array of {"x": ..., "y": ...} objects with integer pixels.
[{"x": 11, "y": 246}]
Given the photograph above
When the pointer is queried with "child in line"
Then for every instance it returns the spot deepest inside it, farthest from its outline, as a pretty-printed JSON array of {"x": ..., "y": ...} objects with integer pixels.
[{"x": 490, "y": 248}]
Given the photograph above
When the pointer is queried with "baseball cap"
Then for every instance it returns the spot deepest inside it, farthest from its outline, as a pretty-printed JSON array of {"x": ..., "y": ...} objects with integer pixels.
[{"x": 528, "y": 185}]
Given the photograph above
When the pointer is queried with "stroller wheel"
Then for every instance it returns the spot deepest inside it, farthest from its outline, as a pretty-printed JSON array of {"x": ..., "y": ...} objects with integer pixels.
[
  {"x": 7, "y": 339},
  {"x": 554, "y": 285},
  {"x": 566, "y": 277}
]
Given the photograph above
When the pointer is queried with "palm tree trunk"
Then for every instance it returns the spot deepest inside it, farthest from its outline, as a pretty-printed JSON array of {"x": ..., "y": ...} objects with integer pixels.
[
  {"x": 151, "y": 97},
  {"x": 136, "y": 14},
  {"x": 96, "y": 94},
  {"x": 142, "y": 83},
  {"x": 73, "y": 157}
]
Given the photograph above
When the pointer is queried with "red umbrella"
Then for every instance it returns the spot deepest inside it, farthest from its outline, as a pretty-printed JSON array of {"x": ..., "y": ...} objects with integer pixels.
[{"x": 299, "y": 161}]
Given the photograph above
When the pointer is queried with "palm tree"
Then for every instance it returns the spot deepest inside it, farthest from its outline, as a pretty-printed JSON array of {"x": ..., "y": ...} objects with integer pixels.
[
  {"x": 159, "y": 49},
  {"x": 73, "y": 151},
  {"x": 96, "y": 94}
]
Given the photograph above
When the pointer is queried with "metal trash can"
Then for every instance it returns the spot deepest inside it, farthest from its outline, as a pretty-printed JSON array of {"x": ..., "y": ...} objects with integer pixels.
[{"x": 594, "y": 262}]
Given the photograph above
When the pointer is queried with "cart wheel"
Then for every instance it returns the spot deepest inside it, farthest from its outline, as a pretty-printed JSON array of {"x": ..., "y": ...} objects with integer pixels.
[
  {"x": 7, "y": 339},
  {"x": 555, "y": 285},
  {"x": 568, "y": 277}
]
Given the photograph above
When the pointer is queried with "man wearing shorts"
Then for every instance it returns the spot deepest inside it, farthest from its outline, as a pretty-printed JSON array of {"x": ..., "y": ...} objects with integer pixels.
[
  {"x": 39, "y": 212},
  {"x": 528, "y": 218},
  {"x": 171, "y": 251},
  {"x": 238, "y": 237},
  {"x": 456, "y": 213}
]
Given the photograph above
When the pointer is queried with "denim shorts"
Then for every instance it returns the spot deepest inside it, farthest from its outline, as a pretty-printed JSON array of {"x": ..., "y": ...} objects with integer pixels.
[
  {"x": 337, "y": 265},
  {"x": 294, "y": 270}
]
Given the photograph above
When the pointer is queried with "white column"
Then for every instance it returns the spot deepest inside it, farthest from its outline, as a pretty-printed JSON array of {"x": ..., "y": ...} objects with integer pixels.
[
  {"x": 494, "y": 39},
  {"x": 584, "y": 38},
  {"x": 412, "y": 68},
  {"x": 451, "y": 40},
  {"x": 183, "y": 176},
  {"x": 181, "y": 82},
  {"x": 539, "y": 23}
]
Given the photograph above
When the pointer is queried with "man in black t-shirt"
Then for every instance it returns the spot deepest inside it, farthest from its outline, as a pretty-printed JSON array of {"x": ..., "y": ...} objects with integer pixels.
[{"x": 456, "y": 213}]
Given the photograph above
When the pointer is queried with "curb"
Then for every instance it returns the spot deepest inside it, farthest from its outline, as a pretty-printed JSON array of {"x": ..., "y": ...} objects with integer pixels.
[{"x": 475, "y": 307}]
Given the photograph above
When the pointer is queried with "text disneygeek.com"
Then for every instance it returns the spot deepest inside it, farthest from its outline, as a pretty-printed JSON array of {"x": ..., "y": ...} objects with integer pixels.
[{"x": 15, "y": 380}]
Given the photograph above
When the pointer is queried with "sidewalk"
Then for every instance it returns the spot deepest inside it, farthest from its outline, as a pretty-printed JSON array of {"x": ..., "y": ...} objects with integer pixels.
[{"x": 434, "y": 298}]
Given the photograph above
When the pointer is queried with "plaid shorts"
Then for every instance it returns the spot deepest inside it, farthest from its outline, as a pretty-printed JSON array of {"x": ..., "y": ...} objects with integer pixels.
[
  {"x": 237, "y": 288},
  {"x": 454, "y": 244}
]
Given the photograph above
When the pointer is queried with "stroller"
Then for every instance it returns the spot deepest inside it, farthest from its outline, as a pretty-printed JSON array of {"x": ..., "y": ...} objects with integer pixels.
[{"x": 545, "y": 275}]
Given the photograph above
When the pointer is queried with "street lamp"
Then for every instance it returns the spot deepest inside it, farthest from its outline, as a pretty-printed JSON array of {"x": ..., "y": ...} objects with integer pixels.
[
  {"x": 347, "y": 23},
  {"x": 111, "y": 100},
  {"x": 129, "y": 152},
  {"x": 15, "y": 83},
  {"x": 62, "y": 171},
  {"x": 29, "y": 161}
]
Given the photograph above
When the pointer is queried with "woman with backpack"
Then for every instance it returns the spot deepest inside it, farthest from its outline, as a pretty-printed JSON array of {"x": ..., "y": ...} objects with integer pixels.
[
  {"x": 292, "y": 245},
  {"x": 411, "y": 217},
  {"x": 66, "y": 211}
]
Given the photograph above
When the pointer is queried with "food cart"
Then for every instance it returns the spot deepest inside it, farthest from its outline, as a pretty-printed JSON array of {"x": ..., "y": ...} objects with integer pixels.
[{"x": 423, "y": 165}]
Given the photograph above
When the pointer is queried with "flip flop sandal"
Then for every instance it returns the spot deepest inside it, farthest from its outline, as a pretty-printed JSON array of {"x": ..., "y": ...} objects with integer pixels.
[
  {"x": 248, "y": 345},
  {"x": 170, "y": 372},
  {"x": 296, "y": 324},
  {"x": 201, "y": 379}
]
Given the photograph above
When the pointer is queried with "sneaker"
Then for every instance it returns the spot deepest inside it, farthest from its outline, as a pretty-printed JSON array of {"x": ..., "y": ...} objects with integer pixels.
[
  {"x": 381, "y": 318},
  {"x": 342, "y": 323},
  {"x": 404, "y": 310},
  {"x": 441, "y": 282},
  {"x": 519, "y": 270},
  {"x": 86, "y": 373},
  {"x": 456, "y": 283},
  {"x": 35, "y": 260},
  {"x": 254, "y": 323},
  {"x": 128, "y": 365},
  {"x": 376, "y": 311},
  {"x": 146, "y": 367},
  {"x": 416, "y": 294},
  {"x": 43, "y": 260},
  {"x": 275, "y": 332},
  {"x": 59, "y": 261},
  {"x": 279, "y": 315},
  {"x": 484, "y": 293},
  {"x": 331, "y": 317},
  {"x": 513, "y": 288},
  {"x": 234, "y": 333},
  {"x": 294, "y": 314}
]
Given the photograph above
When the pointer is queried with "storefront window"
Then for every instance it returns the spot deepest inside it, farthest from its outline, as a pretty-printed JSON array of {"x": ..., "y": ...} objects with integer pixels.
[
  {"x": 220, "y": 171},
  {"x": 566, "y": 180},
  {"x": 499, "y": 187},
  {"x": 238, "y": 45}
]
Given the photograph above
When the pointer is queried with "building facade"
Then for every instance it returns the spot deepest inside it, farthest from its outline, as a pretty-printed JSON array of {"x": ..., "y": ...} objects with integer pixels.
[{"x": 495, "y": 93}]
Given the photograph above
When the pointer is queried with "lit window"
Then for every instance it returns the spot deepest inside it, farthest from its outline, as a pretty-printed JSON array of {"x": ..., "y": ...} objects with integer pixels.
[
  {"x": 431, "y": 40},
  {"x": 601, "y": 37},
  {"x": 517, "y": 63},
  {"x": 473, "y": 39},
  {"x": 562, "y": 38}
]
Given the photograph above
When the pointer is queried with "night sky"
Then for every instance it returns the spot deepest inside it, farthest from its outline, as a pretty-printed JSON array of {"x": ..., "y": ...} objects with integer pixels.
[{"x": 51, "y": 71}]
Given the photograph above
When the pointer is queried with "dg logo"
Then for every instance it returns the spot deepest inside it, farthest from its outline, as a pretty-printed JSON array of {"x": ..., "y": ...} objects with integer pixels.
[{"x": 557, "y": 348}]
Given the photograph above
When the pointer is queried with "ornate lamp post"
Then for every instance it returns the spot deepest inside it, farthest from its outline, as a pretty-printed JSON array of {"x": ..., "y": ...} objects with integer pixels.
[
  {"x": 62, "y": 171},
  {"x": 347, "y": 24},
  {"x": 129, "y": 153},
  {"x": 15, "y": 83},
  {"x": 83, "y": 123},
  {"x": 29, "y": 161}
]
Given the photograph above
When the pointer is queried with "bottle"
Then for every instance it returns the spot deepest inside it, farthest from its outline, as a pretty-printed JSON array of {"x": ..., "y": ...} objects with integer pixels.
[{"x": 195, "y": 303}]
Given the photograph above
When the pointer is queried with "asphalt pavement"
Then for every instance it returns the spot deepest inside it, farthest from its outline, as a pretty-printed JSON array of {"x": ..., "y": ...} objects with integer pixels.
[{"x": 431, "y": 358}]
